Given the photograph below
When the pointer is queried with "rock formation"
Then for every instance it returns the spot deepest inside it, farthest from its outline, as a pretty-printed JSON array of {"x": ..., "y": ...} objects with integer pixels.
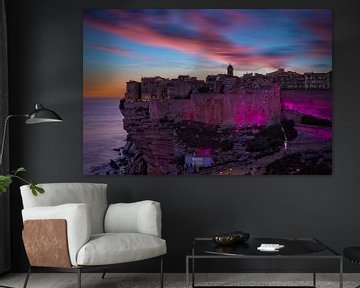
[{"x": 159, "y": 131}]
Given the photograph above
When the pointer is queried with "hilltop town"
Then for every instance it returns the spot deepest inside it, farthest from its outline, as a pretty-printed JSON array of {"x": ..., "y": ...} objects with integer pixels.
[{"x": 184, "y": 86}]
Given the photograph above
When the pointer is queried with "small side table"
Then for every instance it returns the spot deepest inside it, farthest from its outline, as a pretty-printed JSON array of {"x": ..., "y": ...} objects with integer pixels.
[{"x": 294, "y": 248}]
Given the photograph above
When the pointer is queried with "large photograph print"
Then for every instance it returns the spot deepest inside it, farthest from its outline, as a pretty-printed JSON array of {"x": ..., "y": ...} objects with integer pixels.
[{"x": 207, "y": 92}]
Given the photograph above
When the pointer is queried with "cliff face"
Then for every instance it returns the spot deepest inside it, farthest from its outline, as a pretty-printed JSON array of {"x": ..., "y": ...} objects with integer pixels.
[
  {"x": 160, "y": 132},
  {"x": 241, "y": 109},
  {"x": 148, "y": 139}
]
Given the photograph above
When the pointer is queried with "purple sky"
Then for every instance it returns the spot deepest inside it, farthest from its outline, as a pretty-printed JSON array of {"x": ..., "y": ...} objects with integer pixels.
[{"x": 123, "y": 45}]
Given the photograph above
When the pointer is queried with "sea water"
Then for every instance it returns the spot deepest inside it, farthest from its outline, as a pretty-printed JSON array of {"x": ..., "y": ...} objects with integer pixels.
[{"x": 103, "y": 131}]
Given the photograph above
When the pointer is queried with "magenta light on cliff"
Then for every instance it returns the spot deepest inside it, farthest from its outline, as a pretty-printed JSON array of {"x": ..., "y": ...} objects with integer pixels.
[{"x": 207, "y": 91}]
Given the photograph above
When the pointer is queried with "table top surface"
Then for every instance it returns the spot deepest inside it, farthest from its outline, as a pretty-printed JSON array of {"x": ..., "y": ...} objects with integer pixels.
[{"x": 293, "y": 247}]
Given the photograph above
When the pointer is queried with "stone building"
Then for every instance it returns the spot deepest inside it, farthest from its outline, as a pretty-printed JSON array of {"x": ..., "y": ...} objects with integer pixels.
[
  {"x": 211, "y": 83},
  {"x": 183, "y": 87},
  {"x": 133, "y": 90},
  {"x": 287, "y": 79},
  {"x": 220, "y": 83},
  {"x": 230, "y": 70},
  {"x": 250, "y": 80},
  {"x": 221, "y": 80},
  {"x": 229, "y": 83},
  {"x": 153, "y": 88},
  {"x": 317, "y": 80}
]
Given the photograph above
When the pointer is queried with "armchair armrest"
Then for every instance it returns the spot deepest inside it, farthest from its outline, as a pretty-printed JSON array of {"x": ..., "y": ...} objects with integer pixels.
[
  {"x": 77, "y": 217},
  {"x": 138, "y": 217}
]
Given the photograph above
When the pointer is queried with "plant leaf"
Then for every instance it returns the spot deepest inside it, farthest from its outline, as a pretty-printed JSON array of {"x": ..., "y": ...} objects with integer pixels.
[
  {"x": 5, "y": 182},
  {"x": 20, "y": 169},
  {"x": 33, "y": 189},
  {"x": 36, "y": 189},
  {"x": 39, "y": 189}
]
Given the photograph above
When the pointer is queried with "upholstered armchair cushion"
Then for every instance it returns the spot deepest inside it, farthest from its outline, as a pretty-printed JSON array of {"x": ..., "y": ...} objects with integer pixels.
[
  {"x": 78, "y": 221},
  {"x": 132, "y": 231},
  {"x": 112, "y": 248},
  {"x": 92, "y": 194},
  {"x": 138, "y": 217}
]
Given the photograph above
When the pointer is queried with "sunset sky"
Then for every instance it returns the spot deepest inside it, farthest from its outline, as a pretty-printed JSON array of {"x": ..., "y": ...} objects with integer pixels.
[{"x": 122, "y": 45}]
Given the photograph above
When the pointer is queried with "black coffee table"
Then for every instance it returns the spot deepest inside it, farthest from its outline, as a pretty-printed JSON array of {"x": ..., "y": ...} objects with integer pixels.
[{"x": 295, "y": 248}]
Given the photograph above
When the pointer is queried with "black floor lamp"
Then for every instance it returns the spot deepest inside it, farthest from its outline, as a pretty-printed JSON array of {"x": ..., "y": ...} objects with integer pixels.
[{"x": 39, "y": 115}]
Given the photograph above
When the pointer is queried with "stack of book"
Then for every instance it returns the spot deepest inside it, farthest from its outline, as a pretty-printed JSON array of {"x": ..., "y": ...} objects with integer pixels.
[{"x": 270, "y": 247}]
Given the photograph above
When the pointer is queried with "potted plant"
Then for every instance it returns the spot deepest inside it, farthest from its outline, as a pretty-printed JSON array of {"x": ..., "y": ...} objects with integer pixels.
[{"x": 6, "y": 180}]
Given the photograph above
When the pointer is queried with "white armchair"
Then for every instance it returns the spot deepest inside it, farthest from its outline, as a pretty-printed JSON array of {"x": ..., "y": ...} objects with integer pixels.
[{"x": 72, "y": 228}]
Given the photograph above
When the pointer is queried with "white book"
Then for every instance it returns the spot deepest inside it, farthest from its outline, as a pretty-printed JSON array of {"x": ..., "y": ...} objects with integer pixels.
[{"x": 270, "y": 247}]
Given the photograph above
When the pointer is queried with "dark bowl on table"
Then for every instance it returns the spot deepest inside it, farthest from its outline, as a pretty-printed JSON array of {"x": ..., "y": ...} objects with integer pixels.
[
  {"x": 231, "y": 238},
  {"x": 225, "y": 239}
]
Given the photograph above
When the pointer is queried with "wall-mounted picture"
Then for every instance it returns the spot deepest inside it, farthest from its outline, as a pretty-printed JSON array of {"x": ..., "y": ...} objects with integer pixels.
[{"x": 207, "y": 92}]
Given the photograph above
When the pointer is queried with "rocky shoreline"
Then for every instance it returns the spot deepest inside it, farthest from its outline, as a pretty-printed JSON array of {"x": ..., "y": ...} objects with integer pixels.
[
  {"x": 246, "y": 151},
  {"x": 129, "y": 162},
  {"x": 112, "y": 167}
]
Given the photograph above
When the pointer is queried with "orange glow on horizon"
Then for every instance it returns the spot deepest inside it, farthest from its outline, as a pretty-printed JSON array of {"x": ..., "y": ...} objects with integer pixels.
[
  {"x": 103, "y": 93},
  {"x": 98, "y": 89}
]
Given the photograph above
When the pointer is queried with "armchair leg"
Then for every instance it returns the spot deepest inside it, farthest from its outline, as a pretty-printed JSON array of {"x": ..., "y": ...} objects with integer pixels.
[
  {"x": 79, "y": 277},
  {"x": 161, "y": 273},
  {"x": 103, "y": 275},
  {"x": 27, "y": 277}
]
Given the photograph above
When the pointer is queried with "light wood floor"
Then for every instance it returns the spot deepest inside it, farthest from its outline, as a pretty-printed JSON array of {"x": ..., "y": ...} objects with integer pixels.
[{"x": 113, "y": 280}]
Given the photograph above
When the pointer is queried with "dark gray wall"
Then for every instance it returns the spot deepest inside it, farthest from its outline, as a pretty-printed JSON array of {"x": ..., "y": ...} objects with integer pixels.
[{"x": 45, "y": 39}]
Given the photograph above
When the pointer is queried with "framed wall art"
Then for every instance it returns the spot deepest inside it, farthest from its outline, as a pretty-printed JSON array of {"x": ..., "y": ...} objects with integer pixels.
[{"x": 207, "y": 92}]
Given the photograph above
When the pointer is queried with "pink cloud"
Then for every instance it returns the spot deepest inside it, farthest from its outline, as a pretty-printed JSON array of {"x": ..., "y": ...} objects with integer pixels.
[
  {"x": 117, "y": 50},
  {"x": 141, "y": 33},
  {"x": 121, "y": 51},
  {"x": 205, "y": 39},
  {"x": 320, "y": 27},
  {"x": 224, "y": 21}
]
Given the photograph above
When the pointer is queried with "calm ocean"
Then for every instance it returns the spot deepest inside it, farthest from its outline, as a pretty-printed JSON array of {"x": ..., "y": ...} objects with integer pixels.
[{"x": 102, "y": 132}]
